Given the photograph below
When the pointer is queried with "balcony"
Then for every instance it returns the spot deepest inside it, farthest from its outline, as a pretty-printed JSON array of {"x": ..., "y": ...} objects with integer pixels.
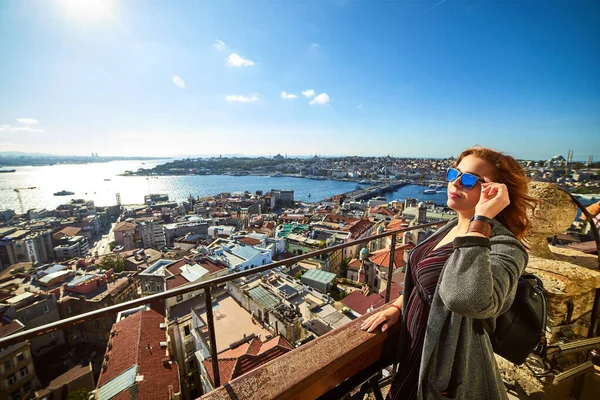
[{"x": 340, "y": 362}]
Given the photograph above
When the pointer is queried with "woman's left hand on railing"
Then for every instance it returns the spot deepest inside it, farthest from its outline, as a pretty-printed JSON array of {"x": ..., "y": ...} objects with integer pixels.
[{"x": 385, "y": 318}]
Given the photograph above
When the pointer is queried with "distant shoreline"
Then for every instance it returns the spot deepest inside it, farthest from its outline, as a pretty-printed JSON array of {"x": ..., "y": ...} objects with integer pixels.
[{"x": 48, "y": 162}]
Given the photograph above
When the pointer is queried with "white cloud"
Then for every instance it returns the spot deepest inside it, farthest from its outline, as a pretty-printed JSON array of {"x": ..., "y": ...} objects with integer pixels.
[
  {"x": 219, "y": 45},
  {"x": 322, "y": 98},
  {"x": 10, "y": 128},
  {"x": 178, "y": 82},
  {"x": 286, "y": 95},
  {"x": 314, "y": 45},
  {"x": 308, "y": 93},
  {"x": 238, "y": 98},
  {"x": 360, "y": 106},
  {"x": 238, "y": 61},
  {"x": 28, "y": 121}
]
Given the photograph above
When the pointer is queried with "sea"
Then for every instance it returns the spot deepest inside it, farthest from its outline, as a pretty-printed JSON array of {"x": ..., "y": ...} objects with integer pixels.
[{"x": 101, "y": 182}]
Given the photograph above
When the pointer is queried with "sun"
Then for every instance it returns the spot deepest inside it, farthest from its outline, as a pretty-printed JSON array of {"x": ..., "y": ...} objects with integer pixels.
[{"x": 89, "y": 10}]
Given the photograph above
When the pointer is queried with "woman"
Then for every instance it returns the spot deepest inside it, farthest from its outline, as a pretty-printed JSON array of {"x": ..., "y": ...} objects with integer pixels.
[{"x": 466, "y": 271}]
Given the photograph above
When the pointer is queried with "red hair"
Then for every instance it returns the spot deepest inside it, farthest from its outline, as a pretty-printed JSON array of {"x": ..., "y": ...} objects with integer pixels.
[{"x": 509, "y": 172}]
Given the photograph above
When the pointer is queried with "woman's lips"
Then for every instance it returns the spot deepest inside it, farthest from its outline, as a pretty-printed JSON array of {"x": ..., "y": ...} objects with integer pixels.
[{"x": 453, "y": 195}]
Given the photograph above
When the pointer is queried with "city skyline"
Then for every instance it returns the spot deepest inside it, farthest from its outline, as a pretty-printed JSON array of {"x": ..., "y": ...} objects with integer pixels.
[{"x": 412, "y": 79}]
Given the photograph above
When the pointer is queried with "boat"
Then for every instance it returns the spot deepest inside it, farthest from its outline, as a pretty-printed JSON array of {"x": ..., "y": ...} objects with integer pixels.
[
  {"x": 308, "y": 194},
  {"x": 276, "y": 175},
  {"x": 4, "y": 171},
  {"x": 429, "y": 191},
  {"x": 63, "y": 193}
]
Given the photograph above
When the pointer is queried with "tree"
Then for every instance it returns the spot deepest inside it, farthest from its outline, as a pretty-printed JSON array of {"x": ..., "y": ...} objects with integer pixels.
[
  {"x": 79, "y": 394},
  {"x": 112, "y": 261}
]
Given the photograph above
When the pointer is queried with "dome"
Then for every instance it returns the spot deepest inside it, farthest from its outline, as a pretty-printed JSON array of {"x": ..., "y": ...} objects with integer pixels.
[
  {"x": 379, "y": 229},
  {"x": 364, "y": 253},
  {"x": 421, "y": 205}
]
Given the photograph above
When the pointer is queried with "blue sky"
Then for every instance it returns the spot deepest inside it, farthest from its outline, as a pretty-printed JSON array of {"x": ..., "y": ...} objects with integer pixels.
[{"x": 408, "y": 78}]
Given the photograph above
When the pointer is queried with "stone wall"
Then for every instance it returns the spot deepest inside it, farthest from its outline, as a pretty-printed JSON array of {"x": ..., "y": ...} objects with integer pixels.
[{"x": 569, "y": 277}]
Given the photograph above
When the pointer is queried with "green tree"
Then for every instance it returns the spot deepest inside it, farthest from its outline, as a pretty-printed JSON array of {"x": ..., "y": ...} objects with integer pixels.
[
  {"x": 114, "y": 261},
  {"x": 79, "y": 394}
]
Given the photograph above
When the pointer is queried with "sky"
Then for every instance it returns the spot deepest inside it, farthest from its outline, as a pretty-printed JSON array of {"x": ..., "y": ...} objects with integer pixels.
[{"x": 261, "y": 77}]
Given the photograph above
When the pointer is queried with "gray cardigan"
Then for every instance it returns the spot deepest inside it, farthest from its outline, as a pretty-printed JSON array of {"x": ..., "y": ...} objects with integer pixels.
[{"x": 478, "y": 281}]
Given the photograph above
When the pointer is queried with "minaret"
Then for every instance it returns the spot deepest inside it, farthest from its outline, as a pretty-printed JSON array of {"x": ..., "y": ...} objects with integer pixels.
[{"x": 362, "y": 273}]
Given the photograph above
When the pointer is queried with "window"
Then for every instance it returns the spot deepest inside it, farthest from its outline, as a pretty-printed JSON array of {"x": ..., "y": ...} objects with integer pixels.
[
  {"x": 20, "y": 357},
  {"x": 46, "y": 309},
  {"x": 12, "y": 378},
  {"x": 69, "y": 311},
  {"x": 27, "y": 387},
  {"x": 191, "y": 364},
  {"x": 186, "y": 329},
  {"x": 158, "y": 288},
  {"x": 179, "y": 298},
  {"x": 52, "y": 335},
  {"x": 24, "y": 372},
  {"x": 8, "y": 364}
]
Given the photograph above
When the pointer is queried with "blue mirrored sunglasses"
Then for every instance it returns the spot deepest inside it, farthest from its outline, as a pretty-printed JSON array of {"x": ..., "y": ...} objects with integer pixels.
[{"x": 468, "y": 181}]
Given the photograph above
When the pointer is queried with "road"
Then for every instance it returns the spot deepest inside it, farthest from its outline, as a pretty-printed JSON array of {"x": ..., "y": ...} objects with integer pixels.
[{"x": 102, "y": 245}]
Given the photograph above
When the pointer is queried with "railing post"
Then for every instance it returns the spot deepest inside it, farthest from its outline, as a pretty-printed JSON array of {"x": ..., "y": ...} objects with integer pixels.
[
  {"x": 391, "y": 268},
  {"x": 212, "y": 338}
]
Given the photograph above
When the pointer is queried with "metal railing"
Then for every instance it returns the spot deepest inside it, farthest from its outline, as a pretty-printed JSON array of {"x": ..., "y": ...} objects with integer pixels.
[{"x": 207, "y": 286}]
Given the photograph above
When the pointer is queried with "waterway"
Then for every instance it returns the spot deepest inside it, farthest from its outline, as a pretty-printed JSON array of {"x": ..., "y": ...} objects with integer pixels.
[{"x": 101, "y": 182}]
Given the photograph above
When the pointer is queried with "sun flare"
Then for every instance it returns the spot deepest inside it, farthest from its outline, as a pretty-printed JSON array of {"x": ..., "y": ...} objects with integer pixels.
[{"x": 89, "y": 10}]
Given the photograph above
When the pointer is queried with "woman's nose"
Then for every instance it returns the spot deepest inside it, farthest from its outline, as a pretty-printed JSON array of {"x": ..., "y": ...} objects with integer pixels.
[{"x": 457, "y": 183}]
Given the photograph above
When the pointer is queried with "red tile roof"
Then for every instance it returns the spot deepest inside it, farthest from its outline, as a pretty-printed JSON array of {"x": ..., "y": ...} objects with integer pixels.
[
  {"x": 394, "y": 224},
  {"x": 7, "y": 329},
  {"x": 382, "y": 257},
  {"x": 361, "y": 303},
  {"x": 210, "y": 265},
  {"x": 68, "y": 231},
  {"x": 381, "y": 211},
  {"x": 124, "y": 227},
  {"x": 176, "y": 281},
  {"x": 246, "y": 357},
  {"x": 359, "y": 227},
  {"x": 354, "y": 265},
  {"x": 136, "y": 340},
  {"x": 249, "y": 241},
  {"x": 175, "y": 268}
]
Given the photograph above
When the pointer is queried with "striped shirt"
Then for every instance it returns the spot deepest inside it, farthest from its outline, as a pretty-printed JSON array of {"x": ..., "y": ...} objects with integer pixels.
[{"x": 426, "y": 266}]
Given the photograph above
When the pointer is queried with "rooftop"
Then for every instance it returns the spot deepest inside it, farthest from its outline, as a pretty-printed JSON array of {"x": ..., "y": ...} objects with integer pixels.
[
  {"x": 231, "y": 321},
  {"x": 135, "y": 351},
  {"x": 247, "y": 356}
]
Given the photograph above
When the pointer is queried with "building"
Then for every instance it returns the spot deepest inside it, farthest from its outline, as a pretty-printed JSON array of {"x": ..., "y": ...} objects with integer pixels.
[
  {"x": 283, "y": 197},
  {"x": 125, "y": 234},
  {"x": 237, "y": 255},
  {"x": 17, "y": 372},
  {"x": 137, "y": 363},
  {"x": 302, "y": 239},
  {"x": 152, "y": 233},
  {"x": 78, "y": 377},
  {"x": 179, "y": 229},
  {"x": 23, "y": 245},
  {"x": 154, "y": 279},
  {"x": 34, "y": 310},
  {"x": 318, "y": 279},
  {"x": 72, "y": 247},
  {"x": 242, "y": 357}
]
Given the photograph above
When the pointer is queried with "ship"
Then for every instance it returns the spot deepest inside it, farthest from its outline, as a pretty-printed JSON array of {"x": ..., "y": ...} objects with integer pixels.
[
  {"x": 63, "y": 193},
  {"x": 429, "y": 191},
  {"x": 3, "y": 171}
]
